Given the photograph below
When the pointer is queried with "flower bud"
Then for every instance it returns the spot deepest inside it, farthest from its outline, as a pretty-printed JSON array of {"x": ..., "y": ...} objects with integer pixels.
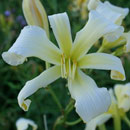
[
  {"x": 109, "y": 45},
  {"x": 35, "y": 14}
]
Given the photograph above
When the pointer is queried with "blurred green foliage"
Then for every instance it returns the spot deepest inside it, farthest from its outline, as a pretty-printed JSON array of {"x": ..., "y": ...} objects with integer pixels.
[{"x": 12, "y": 79}]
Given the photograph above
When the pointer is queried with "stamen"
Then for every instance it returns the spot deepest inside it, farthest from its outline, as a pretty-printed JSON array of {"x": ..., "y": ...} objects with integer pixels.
[
  {"x": 74, "y": 69},
  {"x": 63, "y": 66},
  {"x": 69, "y": 69}
]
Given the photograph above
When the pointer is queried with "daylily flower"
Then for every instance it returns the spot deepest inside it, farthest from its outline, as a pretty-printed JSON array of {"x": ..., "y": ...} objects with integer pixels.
[
  {"x": 116, "y": 15},
  {"x": 120, "y": 105},
  {"x": 23, "y": 124},
  {"x": 35, "y": 14},
  {"x": 68, "y": 61}
]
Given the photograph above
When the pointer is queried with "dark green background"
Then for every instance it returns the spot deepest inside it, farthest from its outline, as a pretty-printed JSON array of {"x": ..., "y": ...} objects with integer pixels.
[{"x": 12, "y": 79}]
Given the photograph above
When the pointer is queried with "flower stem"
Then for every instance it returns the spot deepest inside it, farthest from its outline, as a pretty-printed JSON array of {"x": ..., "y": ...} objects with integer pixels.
[
  {"x": 47, "y": 65},
  {"x": 117, "y": 120},
  {"x": 74, "y": 122},
  {"x": 127, "y": 120},
  {"x": 102, "y": 127},
  {"x": 45, "y": 122},
  {"x": 55, "y": 99},
  {"x": 69, "y": 107},
  {"x": 101, "y": 49},
  {"x": 62, "y": 119},
  {"x": 53, "y": 94},
  {"x": 59, "y": 121}
]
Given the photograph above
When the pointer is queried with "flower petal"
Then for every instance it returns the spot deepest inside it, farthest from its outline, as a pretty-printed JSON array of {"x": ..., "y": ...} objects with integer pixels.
[
  {"x": 61, "y": 28},
  {"x": 96, "y": 27},
  {"x": 123, "y": 11},
  {"x": 32, "y": 41},
  {"x": 45, "y": 78},
  {"x": 104, "y": 62},
  {"x": 108, "y": 13},
  {"x": 99, "y": 120},
  {"x": 91, "y": 101},
  {"x": 92, "y": 4},
  {"x": 114, "y": 13},
  {"x": 23, "y": 124}
]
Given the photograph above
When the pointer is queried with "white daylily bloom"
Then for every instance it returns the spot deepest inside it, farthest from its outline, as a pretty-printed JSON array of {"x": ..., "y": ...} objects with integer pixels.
[
  {"x": 23, "y": 124},
  {"x": 122, "y": 93},
  {"x": 113, "y": 13},
  {"x": 68, "y": 60}
]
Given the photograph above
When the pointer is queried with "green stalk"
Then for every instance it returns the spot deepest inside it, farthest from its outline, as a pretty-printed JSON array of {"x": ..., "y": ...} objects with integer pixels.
[
  {"x": 102, "y": 127},
  {"x": 47, "y": 65},
  {"x": 127, "y": 121},
  {"x": 73, "y": 122},
  {"x": 53, "y": 94},
  {"x": 69, "y": 107},
  {"x": 116, "y": 119},
  {"x": 60, "y": 120},
  {"x": 55, "y": 99},
  {"x": 101, "y": 49}
]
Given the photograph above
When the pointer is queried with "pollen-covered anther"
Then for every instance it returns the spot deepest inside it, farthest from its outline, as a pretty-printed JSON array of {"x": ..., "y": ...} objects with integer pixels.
[{"x": 24, "y": 106}]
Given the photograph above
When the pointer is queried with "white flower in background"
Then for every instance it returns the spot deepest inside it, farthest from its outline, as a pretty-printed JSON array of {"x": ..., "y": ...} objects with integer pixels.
[
  {"x": 122, "y": 93},
  {"x": 23, "y": 124},
  {"x": 68, "y": 60},
  {"x": 120, "y": 105},
  {"x": 113, "y": 13},
  {"x": 116, "y": 15}
]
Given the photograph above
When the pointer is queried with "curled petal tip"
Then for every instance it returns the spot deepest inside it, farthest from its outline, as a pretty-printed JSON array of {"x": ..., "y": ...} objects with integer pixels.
[
  {"x": 12, "y": 58},
  {"x": 118, "y": 76}
]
